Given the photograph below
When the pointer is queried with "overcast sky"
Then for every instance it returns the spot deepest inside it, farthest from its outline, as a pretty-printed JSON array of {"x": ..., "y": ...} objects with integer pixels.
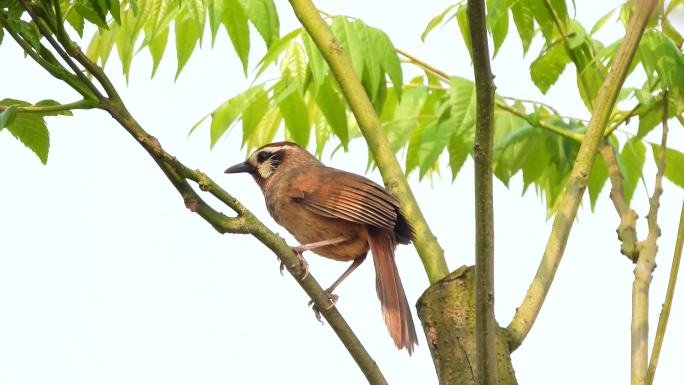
[{"x": 106, "y": 278}]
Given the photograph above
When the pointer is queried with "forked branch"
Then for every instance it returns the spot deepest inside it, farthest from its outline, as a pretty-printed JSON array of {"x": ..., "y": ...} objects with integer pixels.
[{"x": 529, "y": 309}]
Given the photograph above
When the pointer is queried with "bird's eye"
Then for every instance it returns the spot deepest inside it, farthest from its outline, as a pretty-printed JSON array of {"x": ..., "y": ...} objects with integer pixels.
[{"x": 263, "y": 156}]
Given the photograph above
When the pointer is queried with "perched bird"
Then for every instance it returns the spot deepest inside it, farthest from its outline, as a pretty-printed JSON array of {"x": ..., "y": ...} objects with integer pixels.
[{"x": 338, "y": 215}]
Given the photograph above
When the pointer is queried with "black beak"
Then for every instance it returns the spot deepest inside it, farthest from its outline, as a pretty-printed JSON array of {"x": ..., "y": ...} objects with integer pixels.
[{"x": 240, "y": 167}]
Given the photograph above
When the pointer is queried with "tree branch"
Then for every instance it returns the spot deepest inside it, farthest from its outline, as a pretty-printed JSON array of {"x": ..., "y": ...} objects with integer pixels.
[
  {"x": 485, "y": 325},
  {"x": 667, "y": 305},
  {"x": 426, "y": 243},
  {"x": 645, "y": 266},
  {"x": 244, "y": 223},
  {"x": 529, "y": 309}
]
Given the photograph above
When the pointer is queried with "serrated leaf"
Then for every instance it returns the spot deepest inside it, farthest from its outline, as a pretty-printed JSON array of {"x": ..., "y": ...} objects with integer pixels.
[
  {"x": 31, "y": 130},
  {"x": 224, "y": 116},
  {"x": 373, "y": 73},
  {"x": 293, "y": 66},
  {"x": 499, "y": 32},
  {"x": 674, "y": 164},
  {"x": 597, "y": 179},
  {"x": 264, "y": 17},
  {"x": 74, "y": 19},
  {"x": 404, "y": 120},
  {"x": 187, "y": 36},
  {"x": 435, "y": 21},
  {"x": 215, "y": 8},
  {"x": 196, "y": 9},
  {"x": 275, "y": 50},
  {"x": 333, "y": 107},
  {"x": 235, "y": 22},
  {"x": 350, "y": 41},
  {"x": 546, "y": 69},
  {"x": 523, "y": 17},
  {"x": 323, "y": 132},
  {"x": 631, "y": 162},
  {"x": 497, "y": 21},
  {"x": 266, "y": 129}
]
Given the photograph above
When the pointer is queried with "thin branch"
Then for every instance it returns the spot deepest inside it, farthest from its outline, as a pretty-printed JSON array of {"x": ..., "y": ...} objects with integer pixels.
[
  {"x": 667, "y": 305},
  {"x": 529, "y": 309},
  {"x": 426, "y": 243},
  {"x": 245, "y": 222},
  {"x": 645, "y": 266},
  {"x": 626, "y": 231},
  {"x": 424, "y": 65},
  {"x": 576, "y": 136},
  {"x": 485, "y": 325}
]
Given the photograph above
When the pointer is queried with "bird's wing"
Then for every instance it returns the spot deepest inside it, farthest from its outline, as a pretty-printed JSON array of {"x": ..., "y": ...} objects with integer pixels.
[{"x": 339, "y": 194}]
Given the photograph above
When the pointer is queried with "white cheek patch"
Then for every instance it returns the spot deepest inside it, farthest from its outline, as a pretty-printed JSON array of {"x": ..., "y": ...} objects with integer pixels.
[{"x": 265, "y": 169}]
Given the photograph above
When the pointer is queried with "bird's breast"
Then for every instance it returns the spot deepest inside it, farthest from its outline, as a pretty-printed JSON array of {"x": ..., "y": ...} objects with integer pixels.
[{"x": 308, "y": 227}]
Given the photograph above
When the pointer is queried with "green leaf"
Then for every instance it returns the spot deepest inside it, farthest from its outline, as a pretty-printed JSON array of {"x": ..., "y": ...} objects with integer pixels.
[
  {"x": 253, "y": 115},
  {"x": 50, "y": 102},
  {"x": 317, "y": 64},
  {"x": 602, "y": 21},
  {"x": 463, "y": 100},
  {"x": 458, "y": 153},
  {"x": 546, "y": 69},
  {"x": 224, "y": 116},
  {"x": 157, "y": 47},
  {"x": 497, "y": 21},
  {"x": 373, "y": 74},
  {"x": 333, "y": 107},
  {"x": 187, "y": 35},
  {"x": 235, "y": 22},
  {"x": 387, "y": 54},
  {"x": 275, "y": 50},
  {"x": 74, "y": 19},
  {"x": 350, "y": 41},
  {"x": 322, "y": 133},
  {"x": 7, "y": 115},
  {"x": 296, "y": 117},
  {"x": 523, "y": 17},
  {"x": 293, "y": 66},
  {"x": 435, "y": 21},
  {"x": 196, "y": 9},
  {"x": 264, "y": 17},
  {"x": 266, "y": 129},
  {"x": 404, "y": 121},
  {"x": 631, "y": 162},
  {"x": 463, "y": 26},
  {"x": 216, "y": 9},
  {"x": 597, "y": 179},
  {"x": 674, "y": 164},
  {"x": 31, "y": 130}
]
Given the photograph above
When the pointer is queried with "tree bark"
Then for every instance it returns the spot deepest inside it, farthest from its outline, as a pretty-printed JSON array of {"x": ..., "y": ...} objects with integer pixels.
[{"x": 447, "y": 312}]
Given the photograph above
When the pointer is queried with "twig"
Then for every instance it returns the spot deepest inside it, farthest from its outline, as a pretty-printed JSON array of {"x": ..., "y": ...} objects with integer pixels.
[
  {"x": 426, "y": 243},
  {"x": 529, "y": 309},
  {"x": 645, "y": 266},
  {"x": 667, "y": 305},
  {"x": 484, "y": 198}
]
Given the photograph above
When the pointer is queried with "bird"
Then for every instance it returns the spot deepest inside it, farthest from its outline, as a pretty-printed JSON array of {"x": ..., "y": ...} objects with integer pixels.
[{"x": 338, "y": 215}]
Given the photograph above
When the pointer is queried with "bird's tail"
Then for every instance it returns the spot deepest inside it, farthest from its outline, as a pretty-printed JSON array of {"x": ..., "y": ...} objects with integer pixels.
[{"x": 395, "y": 307}]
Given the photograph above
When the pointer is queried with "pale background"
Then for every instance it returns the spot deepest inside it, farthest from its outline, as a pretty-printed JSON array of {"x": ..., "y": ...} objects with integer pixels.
[{"x": 106, "y": 278}]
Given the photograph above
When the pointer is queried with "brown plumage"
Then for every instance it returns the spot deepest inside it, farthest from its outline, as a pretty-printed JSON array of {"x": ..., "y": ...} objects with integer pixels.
[{"x": 317, "y": 203}]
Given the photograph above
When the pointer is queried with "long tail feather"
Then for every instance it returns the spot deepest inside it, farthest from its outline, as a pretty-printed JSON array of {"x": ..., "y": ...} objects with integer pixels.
[{"x": 395, "y": 308}]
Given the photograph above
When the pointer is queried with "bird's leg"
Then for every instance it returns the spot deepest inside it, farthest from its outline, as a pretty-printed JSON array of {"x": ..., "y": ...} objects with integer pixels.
[
  {"x": 298, "y": 250},
  {"x": 329, "y": 291}
]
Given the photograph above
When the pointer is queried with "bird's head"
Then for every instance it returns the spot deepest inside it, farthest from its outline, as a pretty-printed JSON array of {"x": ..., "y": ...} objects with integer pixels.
[{"x": 272, "y": 159}]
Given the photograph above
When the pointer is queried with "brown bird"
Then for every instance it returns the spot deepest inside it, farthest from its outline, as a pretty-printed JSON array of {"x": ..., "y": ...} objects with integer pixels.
[{"x": 338, "y": 215}]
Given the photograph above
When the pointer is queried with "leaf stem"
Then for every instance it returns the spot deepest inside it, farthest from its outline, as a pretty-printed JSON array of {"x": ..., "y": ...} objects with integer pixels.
[
  {"x": 84, "y": 104},
  {"x": 426, "y": 243},
  {"x": 530, "y": 307}
]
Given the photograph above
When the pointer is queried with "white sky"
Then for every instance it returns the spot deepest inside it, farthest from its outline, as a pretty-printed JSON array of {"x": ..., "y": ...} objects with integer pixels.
[{"x": 106, "y": 278}]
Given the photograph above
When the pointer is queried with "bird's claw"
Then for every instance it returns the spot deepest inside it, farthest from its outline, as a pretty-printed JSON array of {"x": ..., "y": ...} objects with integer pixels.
[
  {"x": 305, "y": 264},
  {"x": 333, "y": 300}
]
